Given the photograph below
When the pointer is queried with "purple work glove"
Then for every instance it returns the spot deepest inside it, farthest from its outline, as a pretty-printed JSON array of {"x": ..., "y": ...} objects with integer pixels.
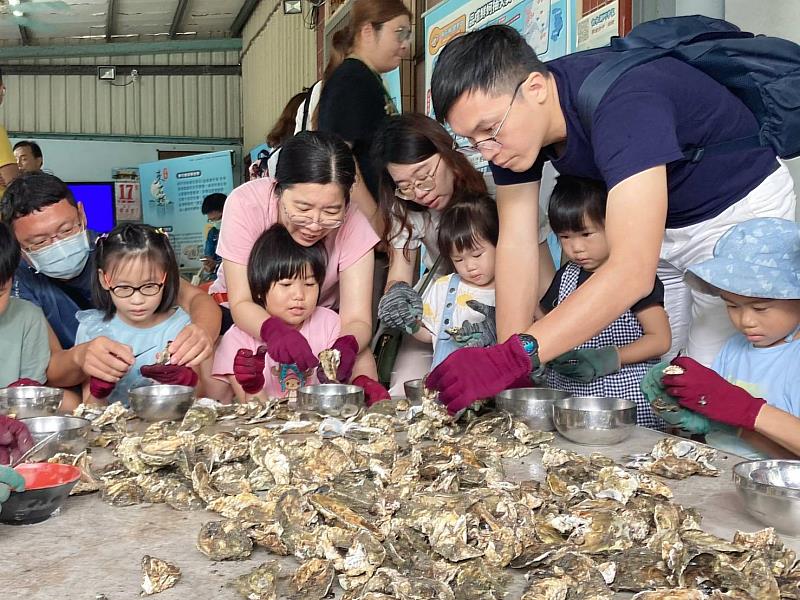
[
  {"x": 248, "y": 368},
  {"x": 704, "y": 391},
  {"x": 99, "y": 388},
  {"x": 24, "y": 382},
  {"x": 348, "y": 350},
  {"x": 470, "y": 374},
  {"x": 15, "y": 439},
  {"x": 170, "y": 374},
  {"x": 286, "y": 345},
  {"x": 373, "y": 391}
]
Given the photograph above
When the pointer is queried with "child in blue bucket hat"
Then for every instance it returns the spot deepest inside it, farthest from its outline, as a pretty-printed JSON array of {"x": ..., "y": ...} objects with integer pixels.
[{"x": 755, "y": 269}]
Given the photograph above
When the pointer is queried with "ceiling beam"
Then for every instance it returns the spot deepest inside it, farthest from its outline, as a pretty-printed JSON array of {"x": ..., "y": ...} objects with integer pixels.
[
  {"x": 24, "y": 35},
  {"x": 177, "y": 18},
  {"x": 121, "y": 48},
  {"x": 111, "y": 14},
  {"x": 248, "y": 8}
]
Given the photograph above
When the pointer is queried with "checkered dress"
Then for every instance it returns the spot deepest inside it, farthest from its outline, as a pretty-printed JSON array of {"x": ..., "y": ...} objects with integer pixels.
[{"x": 625, "y": 382}]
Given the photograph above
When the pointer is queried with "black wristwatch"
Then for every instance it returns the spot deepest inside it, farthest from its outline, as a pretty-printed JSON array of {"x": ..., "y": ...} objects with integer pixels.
[{"x": 531, "y": 348}]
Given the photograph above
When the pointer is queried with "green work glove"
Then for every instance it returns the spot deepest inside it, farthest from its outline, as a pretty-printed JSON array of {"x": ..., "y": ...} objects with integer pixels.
[
  {"x": 667, "y": 407},
  {"x": 10, "y": 481},
  {"x": 587, "y": 364}
]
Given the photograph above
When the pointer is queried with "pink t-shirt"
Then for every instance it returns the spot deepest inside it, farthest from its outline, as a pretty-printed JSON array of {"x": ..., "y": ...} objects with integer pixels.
[
  {"x": 252, "y": 208},
  {"x": 321, "y": 330}
]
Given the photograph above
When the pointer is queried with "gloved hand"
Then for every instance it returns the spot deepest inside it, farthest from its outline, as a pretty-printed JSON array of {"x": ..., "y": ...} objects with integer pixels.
[
  {"x": 470, "y": 374},
  {"x": 286, "y": 345},
  {"x": 248, "y": 369},
  {"x": 348, "y": 350},
  {"x": 100, "y": 388},
  {"x": 478, "y": 335},
  {"x": 667, "y": 407},
  {"x": 24, "y": 382},
  {"x": 15, "y": 439},
  {"x": 170, "y": 374},
  {"x": 702, "y": 390},
  {"x": 587, "y": 364},
  {"x": 10, "y": 481},
  {"x": 373, "y": 391},
  {"x": 401, "y": 307}
]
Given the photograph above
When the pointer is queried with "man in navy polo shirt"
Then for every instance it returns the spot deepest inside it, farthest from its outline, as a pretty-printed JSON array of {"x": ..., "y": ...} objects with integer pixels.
[{"x": 664, "y": 213}]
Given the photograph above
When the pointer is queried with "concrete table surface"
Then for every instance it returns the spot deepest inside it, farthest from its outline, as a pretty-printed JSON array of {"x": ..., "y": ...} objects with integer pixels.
[{"x": 91, "y": 548}]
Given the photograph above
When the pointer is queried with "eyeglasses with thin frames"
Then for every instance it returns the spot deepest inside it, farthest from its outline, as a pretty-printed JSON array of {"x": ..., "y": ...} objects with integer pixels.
[
  {"x": 403, "y": 34},
  {"x": 489, "y": 144},
  {"x": 73, "y": 229},
  {"x": 126, "y": 291},
  {"x": 424, "y": 184},
  {"x": 302, "y": 221}
]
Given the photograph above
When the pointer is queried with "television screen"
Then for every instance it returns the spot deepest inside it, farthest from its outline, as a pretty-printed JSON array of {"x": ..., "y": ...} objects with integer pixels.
[{"x": 98, "y": 203}]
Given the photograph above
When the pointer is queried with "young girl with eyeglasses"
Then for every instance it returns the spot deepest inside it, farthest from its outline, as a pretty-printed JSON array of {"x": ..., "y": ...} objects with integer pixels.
[{"x": 135, "y": 289}]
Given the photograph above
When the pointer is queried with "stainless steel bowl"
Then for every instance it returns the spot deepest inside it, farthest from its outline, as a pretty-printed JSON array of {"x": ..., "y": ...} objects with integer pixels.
[
  {"x": 161, "y": 402},
  {"x": 532, "y": 405},
  {"x": 770, "y": 490},
  {"x": 30, "y": 401},
  {"x": 594, "y": 420},
  {"x": 413, "y": 390},
  {"x": 73, "y": 435},
  {"x": 334, "y": 399}
]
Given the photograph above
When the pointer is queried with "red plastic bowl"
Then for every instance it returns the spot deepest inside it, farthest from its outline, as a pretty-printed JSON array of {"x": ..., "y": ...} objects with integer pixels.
[
  {"x": 39, "y": 476},
  {"x": 47, "y": 487}
]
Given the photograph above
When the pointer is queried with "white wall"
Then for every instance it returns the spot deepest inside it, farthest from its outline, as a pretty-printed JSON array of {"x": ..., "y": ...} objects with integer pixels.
[{"x": 88, "y": 160}]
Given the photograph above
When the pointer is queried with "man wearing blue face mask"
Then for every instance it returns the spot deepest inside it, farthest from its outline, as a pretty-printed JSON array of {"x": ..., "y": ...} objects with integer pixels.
[
  {"x": 56, "y": 274},
  {"x": 212, "y": 208}
]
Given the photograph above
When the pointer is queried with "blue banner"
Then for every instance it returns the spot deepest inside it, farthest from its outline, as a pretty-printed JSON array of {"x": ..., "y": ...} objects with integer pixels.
[{"x": 172, "y": 195}]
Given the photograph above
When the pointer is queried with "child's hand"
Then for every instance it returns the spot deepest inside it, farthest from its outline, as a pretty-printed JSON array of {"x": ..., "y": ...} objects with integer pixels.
[
  {"x": 478, "y": 335},
  {"x": 401, "y": 308},
  {"x": 170, "y": 374},
  {"x": 702, "y": 390},
  {"x": 348, "y": 350},
  {"x": 248, "y": 369},
  {"x": 286, "y": 345},
  {"x": 373, "y": 391},
  {"x": 105, "y": 359},
  {"x": 587, "y": 364},
  {"x": 191, "y": 346},
  {"x": 24, "y": 381},
  {"x": 99, "y": 388},
  {"x": 15, "y": 439}
]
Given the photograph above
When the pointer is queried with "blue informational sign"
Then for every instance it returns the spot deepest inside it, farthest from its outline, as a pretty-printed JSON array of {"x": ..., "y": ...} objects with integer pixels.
[
  {"x": 391, "y": 81},
  {"x": 172, "y": 195}
]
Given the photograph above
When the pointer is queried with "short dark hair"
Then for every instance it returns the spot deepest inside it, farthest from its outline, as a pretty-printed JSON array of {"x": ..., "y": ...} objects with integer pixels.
[
  {"x": 277, "y": 256},
  {"x": 574, "y": 201},
  {"x": 9, "y": 254},
  {"x": 213, "y": 202},
  {"x": 129, "y": 242},
  {"x": 466, "y": 222},
  {"x": 31, "y": 192},
  {"x": 316, "y": 157},
  {"x": 35, "y": 149},
  {"x": 493, "y": 59}
]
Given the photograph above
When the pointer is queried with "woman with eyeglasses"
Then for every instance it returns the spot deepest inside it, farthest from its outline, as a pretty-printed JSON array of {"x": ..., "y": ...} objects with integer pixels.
[
  {"x": 310, "y": 197},
  {"x": 354, "y": 101}
]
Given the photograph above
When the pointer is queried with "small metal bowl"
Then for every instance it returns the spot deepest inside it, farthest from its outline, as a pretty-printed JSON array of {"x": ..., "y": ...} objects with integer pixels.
[
  {"x": 30, "y": 401},
  {"x": 594, "y": 420},
  {"x": 533, "y": 406},
  {"x": 770, "y": 490},
  {"x": 161, "y": 402},
  {"x": 413, "y": 390},
  {"x": 334, "y": 399},
  {"x": 47, "y": 487},
  {"x": 72, "y": 438}
]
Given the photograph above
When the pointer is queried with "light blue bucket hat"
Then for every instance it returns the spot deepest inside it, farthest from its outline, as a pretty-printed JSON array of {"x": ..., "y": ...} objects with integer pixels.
[{"x": 759, "y": 258}]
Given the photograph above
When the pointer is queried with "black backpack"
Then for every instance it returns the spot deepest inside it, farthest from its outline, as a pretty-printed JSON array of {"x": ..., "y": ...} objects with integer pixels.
[{"x": 763, "y": 72}]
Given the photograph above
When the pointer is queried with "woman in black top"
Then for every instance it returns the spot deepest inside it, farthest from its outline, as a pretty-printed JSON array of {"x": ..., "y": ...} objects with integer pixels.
[{"x": 354, "y": 101}]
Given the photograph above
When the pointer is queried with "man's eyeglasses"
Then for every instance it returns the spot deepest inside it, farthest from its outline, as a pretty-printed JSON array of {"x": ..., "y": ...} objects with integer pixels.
[
  {"x": 407, "y": 191},
  {"x": 126, "y": 291},
  {"x": 489, "y": 144},
  {"x": 63, "y": 234},
  {"x": 303, "y": 221}
]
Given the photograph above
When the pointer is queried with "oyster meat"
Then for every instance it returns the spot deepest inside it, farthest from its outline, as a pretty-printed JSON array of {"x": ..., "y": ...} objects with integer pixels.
[{"x": 158, "y": 575}]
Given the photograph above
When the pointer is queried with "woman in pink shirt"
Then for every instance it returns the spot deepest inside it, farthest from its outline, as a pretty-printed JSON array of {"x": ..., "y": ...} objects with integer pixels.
[{"x": 310, "y": 196}]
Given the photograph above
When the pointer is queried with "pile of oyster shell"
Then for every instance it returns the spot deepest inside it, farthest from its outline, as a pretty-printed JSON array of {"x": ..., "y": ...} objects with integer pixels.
[{"x": 405, "y": 503}]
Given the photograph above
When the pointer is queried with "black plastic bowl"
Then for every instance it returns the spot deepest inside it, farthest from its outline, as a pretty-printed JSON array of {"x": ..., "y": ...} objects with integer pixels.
[{"x": 47, "y": 486}]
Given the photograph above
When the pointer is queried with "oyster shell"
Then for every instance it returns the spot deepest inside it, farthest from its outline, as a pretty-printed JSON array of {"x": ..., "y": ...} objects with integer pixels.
[
  {"x": 312, "y": 580},
  {"x": 158, "y": 575},
  {"x": 197, "y": 417},
  {"x": 673, "y": 370},
  {"x": 667, "y": 594},
  {"x": 122, "y": 492},
  {"x": 224, "y": 540},
  {"x": 260, "y": 583},
  {"x": 329, "y": 361}
]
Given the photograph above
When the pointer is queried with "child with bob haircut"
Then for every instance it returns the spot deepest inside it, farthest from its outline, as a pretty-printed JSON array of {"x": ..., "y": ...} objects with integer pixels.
[
  {"x": 614, "y": 361},
  {"x": 458, "y": 309},
  {"x": 748, "y": 401},
  {"x": 285, "y": 278},
  {"x": 135, "y": 289}
]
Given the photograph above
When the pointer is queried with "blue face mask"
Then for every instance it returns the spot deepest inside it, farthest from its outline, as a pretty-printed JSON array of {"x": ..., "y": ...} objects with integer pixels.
[{"x": 64, "y": 259}]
